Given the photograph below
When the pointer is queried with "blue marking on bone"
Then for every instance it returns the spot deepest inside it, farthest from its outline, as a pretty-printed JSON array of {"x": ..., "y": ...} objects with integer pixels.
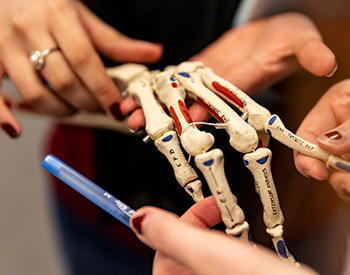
[
  {"x": 167, "y": 138},
  {"x": 172, "y": 79},
  {"x": 184, "y": 74},
  {"x": 269, "y": 132},
  {"x": 281, "y": 247},
  {"x": 209, "y": 162},
  {"x": 343, "y": 166},
  {"x": 246, "y": 163},
  {"x": 190, "y": 189},
  {"x": 272, "y": 120},
  {"x": 262, "y": 160}
]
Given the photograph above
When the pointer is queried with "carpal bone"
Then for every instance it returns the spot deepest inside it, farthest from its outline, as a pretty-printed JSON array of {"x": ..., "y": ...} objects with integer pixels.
[
  {"x": 157, "y": 121},
  {"x": 168, "y": 145},
  {"x": 242, "y": 136},
  {"x": 258, "y": 163},
  {"x": 211, "y": 164},
  {"x": 171, "y": 93}
]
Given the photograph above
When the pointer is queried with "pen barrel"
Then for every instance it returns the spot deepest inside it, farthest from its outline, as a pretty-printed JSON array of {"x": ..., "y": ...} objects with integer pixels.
[{"x": 88, "y": 189}]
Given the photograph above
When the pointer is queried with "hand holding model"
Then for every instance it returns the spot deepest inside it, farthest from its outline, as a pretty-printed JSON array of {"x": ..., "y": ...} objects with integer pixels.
[
  {"x": 327, "y": 125},
  {"x": 256, "y": 55},
  {"x": 181, "y": 248},
  {"x": 65, "y": 73}
]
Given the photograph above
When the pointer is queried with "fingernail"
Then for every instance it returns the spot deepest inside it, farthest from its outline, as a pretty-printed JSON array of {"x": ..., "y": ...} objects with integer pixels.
[
  {"x": 133, "y": 131},
  {"x": 7, "y": 103},
  {"x": 332, "y": 72},
  {"x": 115, "y": 111},
  {"x": 9, "y": 130},
  {"x": 137, "y": 223},
  {"x": 332, "y": 137}
]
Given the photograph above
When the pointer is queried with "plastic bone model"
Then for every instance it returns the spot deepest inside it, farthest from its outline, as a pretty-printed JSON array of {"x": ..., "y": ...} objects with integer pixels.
[{"x": 196, "y": 81}]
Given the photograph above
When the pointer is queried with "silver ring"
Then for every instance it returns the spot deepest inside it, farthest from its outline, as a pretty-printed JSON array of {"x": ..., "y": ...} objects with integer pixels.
[{"x": 37, "y": 58}]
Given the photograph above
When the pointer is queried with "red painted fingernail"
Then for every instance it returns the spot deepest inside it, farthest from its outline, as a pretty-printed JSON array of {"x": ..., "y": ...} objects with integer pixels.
[
  {"x": 137, "y": 223},
  {"x": 115, "y": 110},
  {"x": 9, "y": 130},
  {"x": 7, "y": 103},
  {"x": 333, "y": 135}
]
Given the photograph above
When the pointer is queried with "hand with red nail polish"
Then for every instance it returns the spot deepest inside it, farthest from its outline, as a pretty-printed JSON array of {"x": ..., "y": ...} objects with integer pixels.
[
  {"x": 8, "y": 122},
  {"x": 73, "y": 76},
  {"x": 328, "y": 125},
  {"x": 186, "y": 246}
]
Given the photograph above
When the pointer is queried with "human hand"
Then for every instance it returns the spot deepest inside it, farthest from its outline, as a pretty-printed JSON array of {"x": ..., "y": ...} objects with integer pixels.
[
  {"x": 74, "y": 74},
  {"x": 186, "y": 246},
  {"x": 328, "y": 125},
  {"x": 258, "y": 54}
]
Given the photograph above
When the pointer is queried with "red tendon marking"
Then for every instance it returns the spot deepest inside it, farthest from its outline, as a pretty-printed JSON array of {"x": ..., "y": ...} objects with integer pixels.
[
  {"x": 210, "y": 110},
  {"x": 185, "y": 111},
  {"x": 227, "y": 93},
  {"x": 176, "y": 120}
]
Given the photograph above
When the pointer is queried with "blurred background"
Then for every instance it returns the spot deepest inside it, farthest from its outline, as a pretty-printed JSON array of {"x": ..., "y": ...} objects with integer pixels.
[{"x": 28, "y": 243}]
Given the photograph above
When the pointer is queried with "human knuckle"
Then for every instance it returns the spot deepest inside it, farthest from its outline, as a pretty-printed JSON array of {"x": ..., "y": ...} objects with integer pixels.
[
  {"x": 32, "y": 95},
  {"x": 21, "y": 21},
  {"x": 80, "y": 55},
  {"x": 59, "y": 6},
  {"x": 102, "y": 88},
  {"x": 61, "y": 80}
]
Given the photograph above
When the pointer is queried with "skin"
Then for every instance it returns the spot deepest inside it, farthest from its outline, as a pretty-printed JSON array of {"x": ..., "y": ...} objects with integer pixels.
[
  {"x": 259, "y": 54},
  {"x": 181, "y": 249},
  {"x": 75, "y": 73},
  {"x": 330, "y": 114}
]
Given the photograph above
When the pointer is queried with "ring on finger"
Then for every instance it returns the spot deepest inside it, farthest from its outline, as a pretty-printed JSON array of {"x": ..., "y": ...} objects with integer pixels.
[{"x": 37, "y": 58}]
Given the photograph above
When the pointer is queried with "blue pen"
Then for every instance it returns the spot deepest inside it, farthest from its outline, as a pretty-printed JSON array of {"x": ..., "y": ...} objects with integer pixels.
[{"x": 87, "y": 188}]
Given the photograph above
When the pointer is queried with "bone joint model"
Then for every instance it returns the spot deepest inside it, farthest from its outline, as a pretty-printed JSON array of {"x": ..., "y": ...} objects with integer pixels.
[{"x": 248, "y": 134}]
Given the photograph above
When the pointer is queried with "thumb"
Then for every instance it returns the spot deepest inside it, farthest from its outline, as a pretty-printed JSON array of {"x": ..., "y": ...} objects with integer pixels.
[
  {"x": 114, "y": 44},
  {"x": 314, "y": 56}
]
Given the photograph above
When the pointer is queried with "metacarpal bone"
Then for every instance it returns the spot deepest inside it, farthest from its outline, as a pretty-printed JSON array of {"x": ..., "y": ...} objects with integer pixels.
[
  {"x": 172, "y": 94},
  {"x": 257, "y": 115},
  {"x": 157, "y": 121},
  {"x": 243, "y": 137}
]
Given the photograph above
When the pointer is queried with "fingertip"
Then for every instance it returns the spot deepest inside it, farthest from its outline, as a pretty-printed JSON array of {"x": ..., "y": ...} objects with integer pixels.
[
  {"x": 317, "y": 58},
  {"x": 11, "y": 130},
  {"x": 335, "y": 141},
  {"x": 310, "y": 167},
  {"x": 136, "y": 120},
  {"x": 128, "y": 105}
]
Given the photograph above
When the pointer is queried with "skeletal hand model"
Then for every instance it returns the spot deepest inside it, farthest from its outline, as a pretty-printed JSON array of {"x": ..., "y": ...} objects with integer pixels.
[{"x": 200, "y": 83}]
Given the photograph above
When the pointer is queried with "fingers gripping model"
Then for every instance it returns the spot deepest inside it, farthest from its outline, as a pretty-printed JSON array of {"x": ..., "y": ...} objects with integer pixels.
[{"x": 250, "y": 137}]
